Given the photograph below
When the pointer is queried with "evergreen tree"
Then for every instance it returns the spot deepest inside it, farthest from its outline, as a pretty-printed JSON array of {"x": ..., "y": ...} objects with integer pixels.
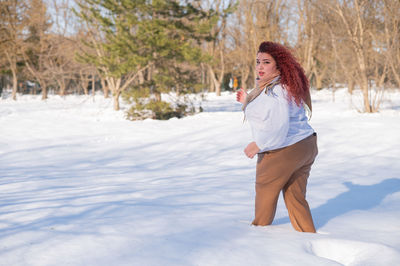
[
  {"x": 142, "y": 41},
  {"x": 12, "y": 25},
  {"x": 175, "y": 32}
]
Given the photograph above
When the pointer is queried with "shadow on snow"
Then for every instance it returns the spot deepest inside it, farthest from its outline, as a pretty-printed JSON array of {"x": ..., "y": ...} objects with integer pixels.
[{"x": 357, "y": 197}]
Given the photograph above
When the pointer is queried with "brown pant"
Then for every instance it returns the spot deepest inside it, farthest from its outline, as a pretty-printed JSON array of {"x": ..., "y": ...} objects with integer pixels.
[{"x": 285, "y": 169}]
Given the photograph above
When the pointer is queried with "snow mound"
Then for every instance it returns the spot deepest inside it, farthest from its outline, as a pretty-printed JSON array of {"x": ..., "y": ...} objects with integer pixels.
[{"x": 355, "y": 253}]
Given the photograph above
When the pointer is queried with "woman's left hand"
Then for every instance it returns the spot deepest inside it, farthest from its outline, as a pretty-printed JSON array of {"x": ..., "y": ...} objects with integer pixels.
[
  {"x": 241, "y": 96},
  {"x": 251, "y": 150}
]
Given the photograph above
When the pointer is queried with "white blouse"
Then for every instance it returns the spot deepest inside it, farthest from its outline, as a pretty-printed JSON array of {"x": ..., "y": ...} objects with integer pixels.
[{"x": 276, "y": 121}]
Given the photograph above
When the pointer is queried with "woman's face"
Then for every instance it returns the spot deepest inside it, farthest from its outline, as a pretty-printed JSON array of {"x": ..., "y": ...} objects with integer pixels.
[{"x": 265, "y": 66}]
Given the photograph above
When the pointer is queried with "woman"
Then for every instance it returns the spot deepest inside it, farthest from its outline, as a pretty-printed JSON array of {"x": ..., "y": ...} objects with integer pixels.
[{"x": 284, "y": 141}]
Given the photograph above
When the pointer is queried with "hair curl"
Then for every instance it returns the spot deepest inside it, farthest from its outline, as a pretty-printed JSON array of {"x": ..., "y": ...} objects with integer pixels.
[{"x": 293, "y": 77}]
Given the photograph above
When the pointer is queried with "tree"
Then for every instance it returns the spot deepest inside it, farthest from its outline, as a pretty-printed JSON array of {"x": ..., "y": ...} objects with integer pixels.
[
  {"x": 173, "y": 34},
  {"x": 12, "y": 25},
  {"x": 354, "y": 20},
  {"x": 60, "y": 64},
  {"x": 133, "y": 37},
  {"x": 113, "y": 30},
  {"x": 218, "y": 48},
  {"x": 37, "y": 45},
  {"x": 391, "y": 14},
  {"x": 253, "y": 23}
]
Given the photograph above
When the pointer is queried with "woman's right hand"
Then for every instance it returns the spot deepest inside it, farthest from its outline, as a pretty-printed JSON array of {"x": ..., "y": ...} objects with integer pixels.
[{"x": 241, "y": 96}]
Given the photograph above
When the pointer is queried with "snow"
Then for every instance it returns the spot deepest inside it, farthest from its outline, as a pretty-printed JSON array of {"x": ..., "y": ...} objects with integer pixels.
[{"x": 81, "y": 185}]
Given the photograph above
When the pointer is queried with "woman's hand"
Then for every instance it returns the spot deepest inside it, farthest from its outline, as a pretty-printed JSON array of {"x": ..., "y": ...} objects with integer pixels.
[
  {"x": 251, "y": 150},
  {"x": 241, "y": 96}
]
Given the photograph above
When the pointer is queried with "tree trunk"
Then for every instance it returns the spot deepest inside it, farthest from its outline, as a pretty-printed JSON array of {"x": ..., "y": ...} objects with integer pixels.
[
  {"x": 116, "y": 100},
  {"x": 245, "y": 71},
  {"x": 13, "y": 66},
  {"x": 364, "y": 82},
  {"x": 117, "y": 85},
  {"x": 83, "y": 82},
  {"x": 367, "y": 105},
  {"x": 85, "y": 87},
  {"x": 215, "y": 82},
  {"x": 318, "y": 82},
  {"x": 93, "y": 85},
  {"x": 395, "y": 73},
  {"x": 221, "y": 75},
  {"x": 365, "y": 91},
  {"x": 351, "y": 86},
  {"x": 140, "y": 77},
  {"x": 217, "y": 89},
  {"x": 210, "y": 82},
  {"x": 43, "y": 85},
  {"x": 15, "y": 85},
  {"x": 105, "y": 88},
  {"x": 62, "y": 85},
  {"x": 381, "y": 78},
  {"x": 203, "y": 73}
]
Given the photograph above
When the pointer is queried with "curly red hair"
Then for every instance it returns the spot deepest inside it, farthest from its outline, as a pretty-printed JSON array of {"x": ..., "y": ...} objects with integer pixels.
[{"x": 293, "y": 77}]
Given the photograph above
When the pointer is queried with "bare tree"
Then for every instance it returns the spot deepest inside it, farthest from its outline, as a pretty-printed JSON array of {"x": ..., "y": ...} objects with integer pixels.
[
  {"x": 61, "y": 63},
  {"x": 37, "y": 46},
  {"x": 254, "y": 22},
  {"x": 392, "y": 37},
  {"x": 355, "y": 18},
  {"x": 313, "y": 45},
  {"x": 218, "y": 48}
]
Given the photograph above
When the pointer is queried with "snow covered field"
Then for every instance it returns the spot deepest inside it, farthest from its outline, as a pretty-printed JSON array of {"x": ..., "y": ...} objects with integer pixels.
[{"x": 80, "y": 185}]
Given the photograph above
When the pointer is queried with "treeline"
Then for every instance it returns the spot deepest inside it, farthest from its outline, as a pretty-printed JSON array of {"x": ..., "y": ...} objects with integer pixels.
[{"x": 140, "y": 48}]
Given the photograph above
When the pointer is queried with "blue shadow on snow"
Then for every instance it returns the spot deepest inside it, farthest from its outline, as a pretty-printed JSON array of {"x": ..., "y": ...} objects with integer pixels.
[{"x": 358, "y": 197}]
